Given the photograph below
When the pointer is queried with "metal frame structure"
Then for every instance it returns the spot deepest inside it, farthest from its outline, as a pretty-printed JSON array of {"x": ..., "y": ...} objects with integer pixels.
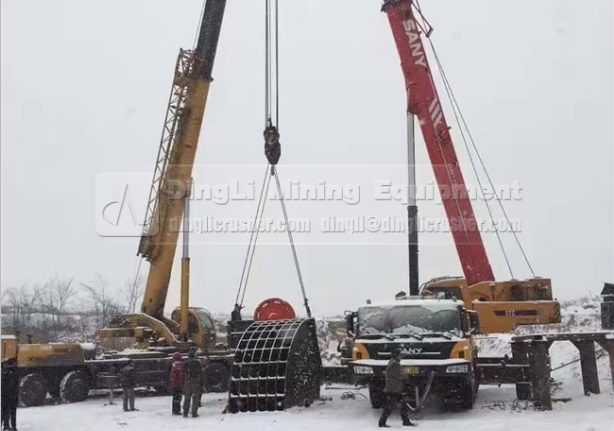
[{"x": 170, "y": 132}]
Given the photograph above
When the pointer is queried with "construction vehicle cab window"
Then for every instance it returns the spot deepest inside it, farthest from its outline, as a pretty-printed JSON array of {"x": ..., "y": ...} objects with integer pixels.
[{"x": 409, "y": 320}]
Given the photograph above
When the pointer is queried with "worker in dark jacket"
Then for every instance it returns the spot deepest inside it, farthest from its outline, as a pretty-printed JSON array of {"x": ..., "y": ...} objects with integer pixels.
[
  {"x": 191, "y": 383},
  {"x": 176, "y": 372},
  {"x": 128, "y": 380},
  {"x": 10, "y": 394},
  {"x": 235, "y": 315},
  {"x": 393, "y": 389}
]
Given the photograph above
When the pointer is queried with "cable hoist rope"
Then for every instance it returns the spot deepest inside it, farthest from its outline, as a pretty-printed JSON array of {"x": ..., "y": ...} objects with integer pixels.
[
  {"x": 460, "y": 119},
  {"x": 272, "y": 150}
]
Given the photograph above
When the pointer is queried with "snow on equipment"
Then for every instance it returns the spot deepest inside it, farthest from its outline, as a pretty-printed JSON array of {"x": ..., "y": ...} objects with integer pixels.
[{"x": 277, "y": 365}]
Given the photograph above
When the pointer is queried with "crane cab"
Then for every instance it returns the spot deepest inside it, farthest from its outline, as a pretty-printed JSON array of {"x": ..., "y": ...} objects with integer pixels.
[
  {"x": 149, "y": 332},
  {"x": 445, "y": 288},
  {"x": 201, "y": 327}
]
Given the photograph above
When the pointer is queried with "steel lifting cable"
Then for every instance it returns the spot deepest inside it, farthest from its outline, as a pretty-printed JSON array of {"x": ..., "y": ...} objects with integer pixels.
[
  {"x": 272, "y": 151},
  {"x": 461, "y": 120},
  {"x": 251, "y": 249},
  {"x": 490, "y": 182},
  {"x": 200, "y": 20},
  {"x": 456, "y": 116},
  {"x": 439, "y": 143},
  {"x": 296, "y": 263}
]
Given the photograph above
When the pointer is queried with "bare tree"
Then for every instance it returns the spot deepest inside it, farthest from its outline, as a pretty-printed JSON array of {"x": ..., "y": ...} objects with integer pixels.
[
  {"x": 58, "y": 295},
  {"x": 5, "y": 295},
  {"x": 133, "y": 291},
  {"x": 101, "y": 300},
  {"x": 22, "y": 303}
]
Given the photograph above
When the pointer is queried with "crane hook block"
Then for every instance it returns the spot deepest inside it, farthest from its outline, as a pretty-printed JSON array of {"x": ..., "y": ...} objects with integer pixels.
[
  {"x": 274, "y": 309},
  {"x": 272, "y": 147}
]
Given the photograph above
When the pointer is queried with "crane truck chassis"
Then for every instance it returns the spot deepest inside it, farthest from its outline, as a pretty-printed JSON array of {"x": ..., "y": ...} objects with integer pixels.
[
  {"x": 282, "y": 354},
  {"x": 268, "y": 365},
  {"x": 71, "y": 370}
]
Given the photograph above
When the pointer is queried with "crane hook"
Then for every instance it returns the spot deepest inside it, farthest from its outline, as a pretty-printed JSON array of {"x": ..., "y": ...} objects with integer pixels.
[{"x": 272, "y": 147}]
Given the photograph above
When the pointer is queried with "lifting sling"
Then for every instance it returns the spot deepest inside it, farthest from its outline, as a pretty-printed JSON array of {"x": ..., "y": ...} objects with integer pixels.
[{"x": 272, "y": 151}]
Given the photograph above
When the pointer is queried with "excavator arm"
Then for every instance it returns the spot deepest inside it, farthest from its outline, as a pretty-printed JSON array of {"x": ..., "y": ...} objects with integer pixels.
[
  {"x": 423, "y": 102},
  {"x": 176, "y": 157}
]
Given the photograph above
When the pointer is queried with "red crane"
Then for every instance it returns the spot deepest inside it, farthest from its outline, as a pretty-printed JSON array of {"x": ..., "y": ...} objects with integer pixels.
[{"x": 423, "y": 102}]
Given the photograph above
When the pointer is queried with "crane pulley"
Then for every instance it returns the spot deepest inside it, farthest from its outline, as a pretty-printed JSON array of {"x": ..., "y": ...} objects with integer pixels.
[{"x": 272, "y": 151}]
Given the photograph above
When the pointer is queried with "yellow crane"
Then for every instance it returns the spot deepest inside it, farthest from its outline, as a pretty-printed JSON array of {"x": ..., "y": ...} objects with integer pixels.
[{"x": 168, "y": 200}]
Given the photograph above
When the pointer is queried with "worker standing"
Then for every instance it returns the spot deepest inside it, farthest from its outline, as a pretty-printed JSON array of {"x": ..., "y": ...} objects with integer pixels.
[
  {"x": 235, "y": 315},
  {"x": 191, "y": 383},
  {"x": 176, "y": 372},
  {"x": 128, "y": 380},
  {"x": 394, "y": 391},
  {"x": 10, "y": 394}
]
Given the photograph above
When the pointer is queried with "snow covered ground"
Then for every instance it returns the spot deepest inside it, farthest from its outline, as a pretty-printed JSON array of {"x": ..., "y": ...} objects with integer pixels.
[
  {"x": 595, "y": 413},
  {"x": 495, "y": 408}
]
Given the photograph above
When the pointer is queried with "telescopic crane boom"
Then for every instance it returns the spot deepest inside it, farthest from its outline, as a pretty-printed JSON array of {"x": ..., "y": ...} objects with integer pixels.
[
  {"x": 167, "y": 199},
  {"x": 423, "y": 102},
  {"x": 500, "y": 305},
  {"x": 176, "y": 158}
]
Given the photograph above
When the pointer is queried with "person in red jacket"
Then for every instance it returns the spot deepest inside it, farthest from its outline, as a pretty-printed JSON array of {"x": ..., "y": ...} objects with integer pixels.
[{"x": 176, "y": 372}]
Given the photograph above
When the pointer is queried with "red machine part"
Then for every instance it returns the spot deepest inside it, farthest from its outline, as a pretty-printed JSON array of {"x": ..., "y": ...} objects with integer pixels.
[
  {"x": 423, "y": 101},
  {"x": 274, "y": 309}
]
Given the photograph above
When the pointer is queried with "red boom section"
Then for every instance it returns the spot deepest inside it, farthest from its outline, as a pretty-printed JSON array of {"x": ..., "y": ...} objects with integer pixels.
[{"x": 423, "y": 101}]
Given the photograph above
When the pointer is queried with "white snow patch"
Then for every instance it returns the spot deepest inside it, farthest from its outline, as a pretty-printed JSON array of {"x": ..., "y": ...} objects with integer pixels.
[{"x": 334, "y": 415}]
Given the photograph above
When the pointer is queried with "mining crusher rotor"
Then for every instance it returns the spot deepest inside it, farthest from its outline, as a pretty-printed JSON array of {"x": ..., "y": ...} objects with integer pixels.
[{"x": 277, "y": 363}]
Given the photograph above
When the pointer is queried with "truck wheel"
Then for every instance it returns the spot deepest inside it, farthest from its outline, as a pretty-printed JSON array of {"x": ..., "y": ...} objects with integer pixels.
[
  {"x": 376, "y": 396},
  {"x": 523, "y": 391},
  {"x": 75, "y": 387},
  {"x": 468, "y": 395},
  {"x": 33, "y": 389},
  {"x": 54, "y": 389},
  {"x": 216, "y": 378}
]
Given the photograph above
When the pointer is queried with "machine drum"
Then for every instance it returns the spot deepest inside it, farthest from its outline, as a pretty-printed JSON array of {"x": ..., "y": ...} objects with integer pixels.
[{"x": 277, "y": 365}]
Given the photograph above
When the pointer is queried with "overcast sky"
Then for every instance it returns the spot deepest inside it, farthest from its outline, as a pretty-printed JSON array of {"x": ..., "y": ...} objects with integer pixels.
[{"x": 84, "y": 92}]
